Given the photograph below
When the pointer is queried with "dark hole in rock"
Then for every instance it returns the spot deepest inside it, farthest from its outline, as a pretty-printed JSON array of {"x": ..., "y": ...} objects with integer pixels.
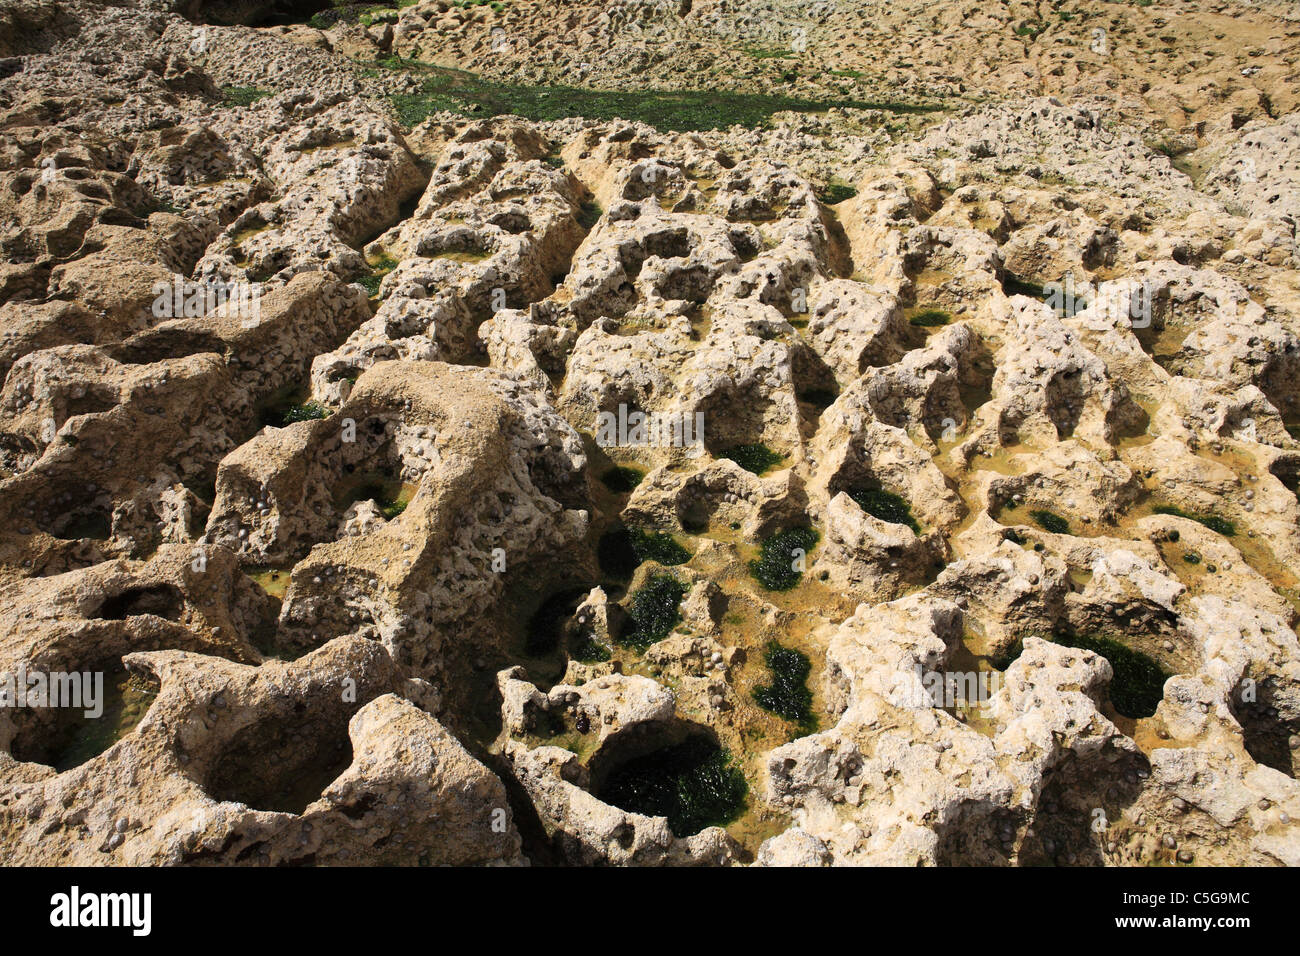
[
  {"x": 666, "y": 244},
  {"x": 747, "y": 244},
  {"x": 92, "y": 403},
  {"x": 694, "y": 513},
  {"x": 115, "y": 216},
  {"x": 693, "y": 284},
  {"x": 82, "y": 523},
  {"x": 289, "y": 404},
  {"x": 625, "y": 835},
  {"x": 283, "y": 13},
  {"x": 1267, "y": 739},
  {"x": 264, "y": 634},
  {"x": 512, "y": 221},
  {"x": 1287, "y": 471},
  {"x": 157, "y": 345},
  {"x": 736, "y": 417},
  {"x": 820, "y": 398},
  {"x": 382, "y": 486},
  {"x": 17, "y": 453},
  {"x": 1014, "y": 285},
  {"x": 621, "y": 479},
  {"x": 544, "y": 627},
  {"x": 161, "y": 600},
  {"x": 282, "y": 764},
  {"x": 1066, "y": 395}
]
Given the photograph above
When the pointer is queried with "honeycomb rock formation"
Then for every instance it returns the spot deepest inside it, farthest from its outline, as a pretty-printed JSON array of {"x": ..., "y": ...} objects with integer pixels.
[{"x": 536, "y": 461}]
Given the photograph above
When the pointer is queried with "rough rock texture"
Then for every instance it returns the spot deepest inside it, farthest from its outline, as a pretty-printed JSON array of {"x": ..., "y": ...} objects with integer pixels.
[{"x": 409, "y": 477}]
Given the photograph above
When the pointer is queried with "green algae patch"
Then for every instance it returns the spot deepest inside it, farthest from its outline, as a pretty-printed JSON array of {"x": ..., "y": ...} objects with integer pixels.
[
  {"x": 753, "y": 458},
  {"x": 464, "y": 255},
  {"x": 306, "y": 412},
  {"x": 787, "y": 694},
  {"x": 695, "y": 784},
  {"x": 1221, "y": 525},
  {"x": 836, "y": 192},
  {"x": 653, "y": 612},
  {"x": 1050, "y": 521},
  {"x": 589, "y": 650},
  {"x": 76, "y": 739},
  {"x": 780, "y": 563},
  {"x": 288, "y": 405},
  {"x": 886, "y": 506},
  {"x": 623, "y": 550},
  {"x": 589, "y": 214},
  {"x": 390, "y": 494},
  {"x": 274, "y": 581},
  {"x": 391, "y": 507},
  {"x": 1014, "y": 285},
  {"x": 931, "y": 318},
  {"x": 659, "y": 547},
  {"x": 380, "y": 266},
  {"x": 1139, "y": 682},
  {"x": 621, "y": 479},
  {"x": 243, "y": 95}
]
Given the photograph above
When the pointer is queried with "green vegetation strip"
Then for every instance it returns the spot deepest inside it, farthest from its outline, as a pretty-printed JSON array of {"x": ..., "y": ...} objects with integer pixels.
[
  {"x": 681, "y": 111},
  {"x": 1222, "y": 525},
  {"x": 380, "y": 266},
  {"x": 363, "y": 13},
  {"x": 1014, "y": 285},
  {"x": 931, "y": 318},
  {"x": 589, "y": 650},
  {"x": 243, "y": 95},
  {"x": 279, "y": 417}
]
